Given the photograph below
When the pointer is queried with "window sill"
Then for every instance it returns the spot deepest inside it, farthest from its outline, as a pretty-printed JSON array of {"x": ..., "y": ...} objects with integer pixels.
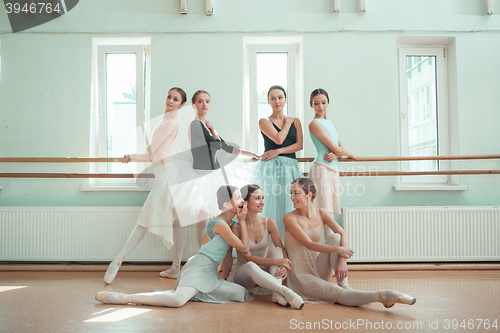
[
  {"x": 429, "y": 187},
  {"x": 114, "y": 189}
]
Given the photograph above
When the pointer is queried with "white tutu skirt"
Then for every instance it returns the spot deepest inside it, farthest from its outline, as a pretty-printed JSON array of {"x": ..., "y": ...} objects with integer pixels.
[
  {"x": 194, "y": 193},
  {"x": 158, "y": 212}
]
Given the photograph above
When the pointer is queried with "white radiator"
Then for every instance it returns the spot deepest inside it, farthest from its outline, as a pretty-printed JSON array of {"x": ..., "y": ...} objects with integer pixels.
[
  {"x": 412, "y": 234},
  {"x": 78, "y": 234}
]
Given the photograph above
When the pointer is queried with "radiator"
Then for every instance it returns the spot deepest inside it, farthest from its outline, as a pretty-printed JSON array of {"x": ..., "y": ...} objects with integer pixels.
[
  {"x": 79, "y": 234},
  {"x": 423, "y": 234}
]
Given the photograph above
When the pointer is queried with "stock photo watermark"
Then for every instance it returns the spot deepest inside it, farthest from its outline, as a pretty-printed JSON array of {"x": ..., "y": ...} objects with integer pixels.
[
  {"x": 438, "y": 325},
  {"x": 27, "y": 14}
]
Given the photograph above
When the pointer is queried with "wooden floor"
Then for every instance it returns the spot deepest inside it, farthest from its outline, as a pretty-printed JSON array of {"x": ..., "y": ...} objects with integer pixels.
[{"x": 41, "y": 301}]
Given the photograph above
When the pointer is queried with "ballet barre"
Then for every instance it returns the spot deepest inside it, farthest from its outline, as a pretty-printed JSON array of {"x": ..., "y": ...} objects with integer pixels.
[
  {"x": 300, "y": 159},
  {"x": 341, "y": 174}
]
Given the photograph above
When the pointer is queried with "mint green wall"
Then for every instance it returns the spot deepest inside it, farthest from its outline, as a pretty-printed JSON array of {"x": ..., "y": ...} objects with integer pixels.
[{"x": 45, "y": 79}]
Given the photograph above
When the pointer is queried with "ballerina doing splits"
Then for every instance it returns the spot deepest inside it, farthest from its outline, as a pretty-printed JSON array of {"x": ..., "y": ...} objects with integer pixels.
[
  {"x": 314, "y": 262},
  {"x": 198, "y": 279}
]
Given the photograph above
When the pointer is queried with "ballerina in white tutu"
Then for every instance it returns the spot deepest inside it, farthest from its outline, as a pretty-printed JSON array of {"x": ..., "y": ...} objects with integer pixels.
[
  {"x": 158, "y": 212},
  {"x": 198, "y": 280},
  {"x": 213, "y": 166},
  {"x": 314, "y": 262}
]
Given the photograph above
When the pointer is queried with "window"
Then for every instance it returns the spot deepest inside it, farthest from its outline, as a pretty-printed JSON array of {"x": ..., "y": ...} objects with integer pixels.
[
  {"x": 424, "y": 110},
  {"x": 270, "y": 61},
  {"x": 120, "y": 105}
]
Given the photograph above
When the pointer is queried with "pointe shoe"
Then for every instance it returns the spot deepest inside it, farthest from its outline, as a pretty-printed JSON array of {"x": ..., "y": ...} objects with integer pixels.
[
  {"x": 102, "y": 295},
  {"x": 403, "y": 298},
  {"x": 296, "y": 301},
  {"x": 172, "y": 272},
  {"x": 343, "y": 283},
  {"x": 280, "y": 299},
  {"x": 113, "y": 268}
]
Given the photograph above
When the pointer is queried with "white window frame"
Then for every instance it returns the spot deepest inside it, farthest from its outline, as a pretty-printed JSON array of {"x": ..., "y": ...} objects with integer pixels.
[
  {"x": 293, "y": 46},
  {"x": 439, "y": 51},
  {"x": 102, "y": 46}
]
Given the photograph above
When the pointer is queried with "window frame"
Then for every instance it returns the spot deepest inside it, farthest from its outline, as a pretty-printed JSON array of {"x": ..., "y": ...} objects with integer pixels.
[
  {"x": 292, "y": 45},
  {"x": 98, "y": 136},
  {"x": 442, "y": 114}
]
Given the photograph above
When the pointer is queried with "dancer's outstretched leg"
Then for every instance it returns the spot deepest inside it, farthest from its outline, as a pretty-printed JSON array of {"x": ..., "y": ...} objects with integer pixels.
[
  {"x": 277, "y": 297},
  {"x": 177, "y": 250},
  {"x": 388, "y": 298},
  {"x": 250, "y": 274},
  {"x": 174, "y": 299},
  {"x": 134, "y": 239},
  {"x": 327, "y": 262}
]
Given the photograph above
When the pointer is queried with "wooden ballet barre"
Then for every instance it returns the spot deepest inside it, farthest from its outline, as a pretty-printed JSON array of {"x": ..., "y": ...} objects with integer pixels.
[
  {"x": 59, "y": 159},
  {"x": 409, "y": 158},
  {"x": 76, "y": 175},
  {"x": 302, "y": 159},
  {"x": 341, "y": 174}
]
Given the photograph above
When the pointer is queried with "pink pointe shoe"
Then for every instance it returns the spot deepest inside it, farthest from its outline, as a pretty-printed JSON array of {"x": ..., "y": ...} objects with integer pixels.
[
  {"x": 172, "y": 272},
  {"x": 107, "y": 297},
  {"x": 403, "y": 299},
  {"x": 113, "y": 268},
  {"x": 292, "y": 298},
  {"x": 280, "y": 299}
]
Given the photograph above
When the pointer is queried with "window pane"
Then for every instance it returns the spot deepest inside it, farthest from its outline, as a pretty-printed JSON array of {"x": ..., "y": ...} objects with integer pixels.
[
  {"x": 121, "y": 120},
  {"x": 422, "y": 119},
  {"x": 272, "y": 69}
]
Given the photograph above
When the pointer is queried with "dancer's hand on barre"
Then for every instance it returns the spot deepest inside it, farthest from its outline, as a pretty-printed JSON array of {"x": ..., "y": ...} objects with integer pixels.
[
  {"x": 341, "y": 270},
  {"x": 270, "y": 154},
  {"x": 250, "y": 154},
  {"x": 281, "y": 273},
  {"x": 345, "y": 252},
  {"x": 329, "y": 156},
  {"x": 352, "y": 156},
  {"x": 126, "y": 159}
]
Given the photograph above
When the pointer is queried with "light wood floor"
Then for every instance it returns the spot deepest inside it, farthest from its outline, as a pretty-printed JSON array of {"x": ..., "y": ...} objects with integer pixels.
[{"x": 40, "y": 301}]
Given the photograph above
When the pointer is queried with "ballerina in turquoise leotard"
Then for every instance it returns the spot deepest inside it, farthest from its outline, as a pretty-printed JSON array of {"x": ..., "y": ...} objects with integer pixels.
[{"x": 325, "y": 169}]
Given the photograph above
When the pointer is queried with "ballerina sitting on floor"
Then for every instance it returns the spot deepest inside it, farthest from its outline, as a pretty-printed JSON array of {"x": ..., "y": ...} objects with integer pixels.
[
  {"x": 260, "y": 266},
  {"x": 198, "y": 280},
  {"x": 314, "y": 262}
]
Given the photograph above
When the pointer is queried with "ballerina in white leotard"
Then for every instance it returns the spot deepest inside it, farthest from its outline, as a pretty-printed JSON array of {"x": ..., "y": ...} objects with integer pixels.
[
  {"x": 260, "y": 266},
  {"x": 158, "y": 214}
]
